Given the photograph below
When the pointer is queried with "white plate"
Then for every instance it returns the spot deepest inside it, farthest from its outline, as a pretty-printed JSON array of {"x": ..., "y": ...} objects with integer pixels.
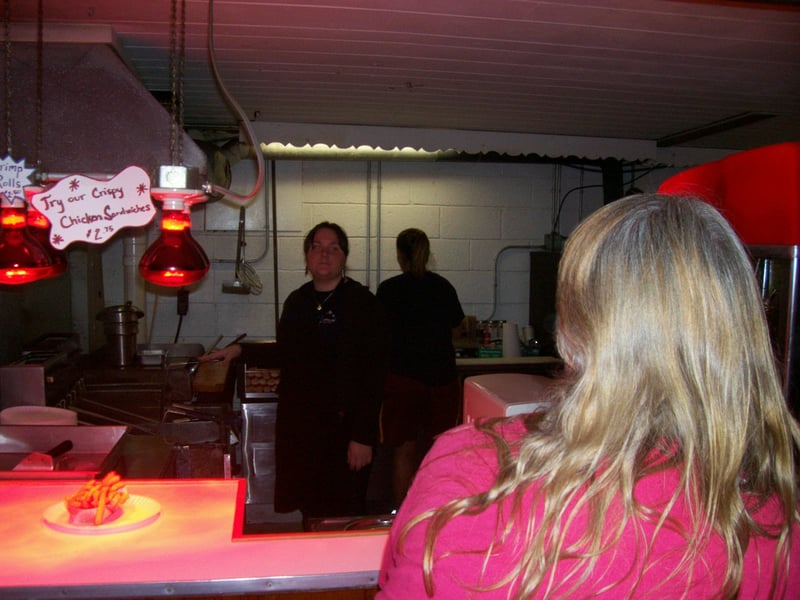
[{"x": 137, "y": 512}]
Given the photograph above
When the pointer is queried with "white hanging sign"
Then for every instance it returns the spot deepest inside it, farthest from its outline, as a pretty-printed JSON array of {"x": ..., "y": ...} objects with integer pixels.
[
  {"x": 82, "y": 209},
  {"x": 14, "y": 176}
]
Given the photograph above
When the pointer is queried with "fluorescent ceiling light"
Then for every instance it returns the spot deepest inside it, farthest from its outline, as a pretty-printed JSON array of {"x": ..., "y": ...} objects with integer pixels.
[{"x": 277, "y": 150}]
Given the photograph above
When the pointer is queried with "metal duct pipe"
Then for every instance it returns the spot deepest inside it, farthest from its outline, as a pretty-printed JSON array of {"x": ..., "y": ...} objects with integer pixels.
[{"x": 134, "y": 246}]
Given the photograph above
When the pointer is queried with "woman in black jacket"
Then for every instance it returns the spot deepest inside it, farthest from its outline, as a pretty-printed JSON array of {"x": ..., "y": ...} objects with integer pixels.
[{"x": 332, "y": 348}]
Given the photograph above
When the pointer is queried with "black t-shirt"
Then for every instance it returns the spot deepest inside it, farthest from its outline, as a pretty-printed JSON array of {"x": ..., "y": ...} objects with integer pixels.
[{"x": 422, "y": 314}]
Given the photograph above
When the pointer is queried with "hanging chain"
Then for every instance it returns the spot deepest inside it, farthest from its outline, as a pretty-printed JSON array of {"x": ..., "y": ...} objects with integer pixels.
[
  {"x": 39, "y": 80},
  {"x": 181, "y": 62},
  {"x": 177, "y": 51},
  {"x": 7, "y": 29},
  {"x": 39, "y": 88},
  {"x": 173, "y": 78}
]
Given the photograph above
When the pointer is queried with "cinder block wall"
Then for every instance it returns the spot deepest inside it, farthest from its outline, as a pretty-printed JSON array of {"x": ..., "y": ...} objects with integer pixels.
[{"x": 481, "y": 219}]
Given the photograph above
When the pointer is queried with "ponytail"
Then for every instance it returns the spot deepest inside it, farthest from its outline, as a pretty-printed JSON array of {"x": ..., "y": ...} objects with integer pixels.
[{"x": 415, "y": 249}]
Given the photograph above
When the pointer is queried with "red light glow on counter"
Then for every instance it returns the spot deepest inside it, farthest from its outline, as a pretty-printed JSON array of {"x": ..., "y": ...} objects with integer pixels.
[{"x": 193, "y": 542}]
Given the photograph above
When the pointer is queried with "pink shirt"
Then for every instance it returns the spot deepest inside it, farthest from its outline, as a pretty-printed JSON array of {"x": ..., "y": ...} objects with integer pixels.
[{"x": 461, "y": 463}]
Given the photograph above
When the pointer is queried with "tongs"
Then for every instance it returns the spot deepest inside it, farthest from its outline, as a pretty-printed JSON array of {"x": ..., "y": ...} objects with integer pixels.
[
  {"x": 191, "y": 364},
  {"x": 236, "y": 340}
]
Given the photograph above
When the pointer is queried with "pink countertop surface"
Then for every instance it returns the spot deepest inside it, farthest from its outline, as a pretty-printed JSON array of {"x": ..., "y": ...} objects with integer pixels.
[{"x": 192, "y": 540}]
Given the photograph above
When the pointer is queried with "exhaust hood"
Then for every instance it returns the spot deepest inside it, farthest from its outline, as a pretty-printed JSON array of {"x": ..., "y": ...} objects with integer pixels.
[{"x": 97, "y": 117}]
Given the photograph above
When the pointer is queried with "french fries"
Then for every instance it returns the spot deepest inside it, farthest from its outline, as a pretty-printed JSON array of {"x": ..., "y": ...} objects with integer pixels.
[{"x": 103, "y": 495}]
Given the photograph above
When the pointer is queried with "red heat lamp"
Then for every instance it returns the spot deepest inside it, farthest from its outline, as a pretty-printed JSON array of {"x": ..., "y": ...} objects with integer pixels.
[
  {"x": 22, "y": 258},
  {"x": 39, "y": 228},
  {"x": 175, "y": 259}
]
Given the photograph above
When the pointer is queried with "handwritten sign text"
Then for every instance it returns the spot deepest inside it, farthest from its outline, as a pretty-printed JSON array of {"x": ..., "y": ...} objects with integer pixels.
[
  {"x": 82, "y": 209},
  {"x": 14, "y": 176}
]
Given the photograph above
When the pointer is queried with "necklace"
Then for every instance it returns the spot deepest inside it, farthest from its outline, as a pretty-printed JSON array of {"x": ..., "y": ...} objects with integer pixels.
[
  {"x": 321, "y": 303},
  {"x": 318, "y": 295}
]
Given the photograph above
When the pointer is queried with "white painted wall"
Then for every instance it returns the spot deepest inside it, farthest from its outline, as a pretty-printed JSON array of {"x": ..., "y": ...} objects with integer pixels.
[{"x": 476, "y": 215}]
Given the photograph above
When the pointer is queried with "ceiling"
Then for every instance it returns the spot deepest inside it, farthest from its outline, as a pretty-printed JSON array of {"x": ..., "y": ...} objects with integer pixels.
[{"x": 635, "y": 69}]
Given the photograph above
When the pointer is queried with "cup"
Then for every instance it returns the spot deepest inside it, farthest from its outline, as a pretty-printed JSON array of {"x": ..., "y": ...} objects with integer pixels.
[
  {"x": 510, "y": 340},
  {"x": 528, "y": 335}
]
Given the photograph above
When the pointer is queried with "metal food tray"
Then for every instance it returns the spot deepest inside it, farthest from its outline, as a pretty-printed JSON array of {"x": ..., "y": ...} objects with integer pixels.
[
  {"x": 159, "y": 354},
  {"x": 249, "y": 392},
  {"x": 94, "y": 449}
]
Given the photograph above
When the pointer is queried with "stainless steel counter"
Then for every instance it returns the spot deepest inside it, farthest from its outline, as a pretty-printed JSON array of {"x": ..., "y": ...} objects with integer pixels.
[
  {"x": 93, "y": 449},
  {"x": 514, "y": 361}
]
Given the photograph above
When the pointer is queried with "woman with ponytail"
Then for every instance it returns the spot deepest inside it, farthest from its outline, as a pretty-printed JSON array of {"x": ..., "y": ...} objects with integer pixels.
[{"x": 422, "y": 395}]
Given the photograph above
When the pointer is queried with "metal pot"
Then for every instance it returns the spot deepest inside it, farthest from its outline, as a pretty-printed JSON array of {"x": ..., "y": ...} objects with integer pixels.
[{"x": 121, "y": 326}]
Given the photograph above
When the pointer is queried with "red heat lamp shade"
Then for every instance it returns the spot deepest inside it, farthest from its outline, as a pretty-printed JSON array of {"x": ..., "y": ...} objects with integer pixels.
[
  {"x": 758, "y": 191},
  {"x": 175, "y": 259},
  {"x": 39, "y": 228},
  {"x": 22, "y": 258}
]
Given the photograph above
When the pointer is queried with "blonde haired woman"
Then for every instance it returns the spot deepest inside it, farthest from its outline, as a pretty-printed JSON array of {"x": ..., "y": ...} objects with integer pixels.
[{"x": 665, "y": 467}]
